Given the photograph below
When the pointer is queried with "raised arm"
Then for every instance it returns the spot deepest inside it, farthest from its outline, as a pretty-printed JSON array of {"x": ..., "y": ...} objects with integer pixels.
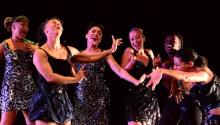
[{"x": 42, "y": 65}]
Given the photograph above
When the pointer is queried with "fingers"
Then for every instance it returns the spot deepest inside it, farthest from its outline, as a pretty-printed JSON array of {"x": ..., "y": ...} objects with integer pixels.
[
  {"x": 37, "y": 44},
  {"x": 141, "y": 51},
  {"x": 117, "y": 41},
  {"x": 154, "y": 87},
  {"x": 82, "y": 67},
  {"x": 179, "y": 97},
  {"x": 82, "y": 75},
  {"x": 170, "y": 95},
  {"x": 148, "y": 76},
  {"x": 150, "y": 82},
  {"x": 82, "y": 72},
  {"x": 113, "y": 38}
]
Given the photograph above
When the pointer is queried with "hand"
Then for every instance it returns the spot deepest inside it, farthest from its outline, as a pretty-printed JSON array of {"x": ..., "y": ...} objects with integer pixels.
[
  {"x": 142, "y": 78},
  {"x": 155, "y": 78},
  {"x": 31, "y": 47},
  {"x": 157, "y": 60},
  {"x": 81, "y": 74},
  {"x": 131, "y": 55},
  {"x": 115, "y": 43},
  {"x": 215, "y": 111},
  {"x": 179, "y": 96},
  {"x": 177, "y": 93}
]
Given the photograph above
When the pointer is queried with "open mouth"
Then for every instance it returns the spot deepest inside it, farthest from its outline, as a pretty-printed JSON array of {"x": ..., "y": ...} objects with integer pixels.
[
  {"x": 24, "y": 32},
  {"x": 169, "y": 46}
]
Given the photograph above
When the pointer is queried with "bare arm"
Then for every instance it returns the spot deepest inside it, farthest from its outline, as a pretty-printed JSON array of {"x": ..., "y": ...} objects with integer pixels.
[
  {"x": 120, "y": 71},
  {"x": 42, "y": 65},
  {"x": 150, "y": 53},
  {"x": 191, "y": 76},
  {"x": 85, "y": 58},
  {"x": 81, "y": 57}
]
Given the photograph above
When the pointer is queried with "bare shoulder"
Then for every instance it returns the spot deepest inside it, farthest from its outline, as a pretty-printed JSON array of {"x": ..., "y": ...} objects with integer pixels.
[
  {"x": 73, "y": 50},
  {"x": 149, "y": 51},
  {"x": 39, "y": 52},
  {"x": 1, "y": 45},
  {"x": 128, "y": 49}
]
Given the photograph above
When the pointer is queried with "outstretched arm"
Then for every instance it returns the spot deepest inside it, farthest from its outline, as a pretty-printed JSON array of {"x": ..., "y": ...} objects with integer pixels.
[
  {"x": 120, "y": 71},
  {"x": 191, "y": 76},
  {"x": 81, "y": 57}
]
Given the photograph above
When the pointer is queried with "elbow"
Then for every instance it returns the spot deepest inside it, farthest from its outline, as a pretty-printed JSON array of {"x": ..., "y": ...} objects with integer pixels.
[{"x": 50, "y": 79}]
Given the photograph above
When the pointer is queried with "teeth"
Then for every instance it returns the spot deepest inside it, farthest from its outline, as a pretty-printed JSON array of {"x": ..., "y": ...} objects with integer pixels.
[{"x": 169, "y": 46}]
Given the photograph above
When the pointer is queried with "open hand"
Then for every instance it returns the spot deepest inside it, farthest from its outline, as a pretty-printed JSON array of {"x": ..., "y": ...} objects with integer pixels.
[
  {"x": 115, "y": 43},
  {"x": 155, "y": 78}
]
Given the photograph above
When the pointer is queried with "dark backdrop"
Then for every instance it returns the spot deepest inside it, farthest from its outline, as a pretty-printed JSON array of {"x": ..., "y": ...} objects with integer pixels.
[{"x": 196, "y": 20}]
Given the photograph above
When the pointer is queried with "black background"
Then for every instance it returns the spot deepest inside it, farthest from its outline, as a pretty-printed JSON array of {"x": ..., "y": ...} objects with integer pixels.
[{"x": 196, "y": 20}]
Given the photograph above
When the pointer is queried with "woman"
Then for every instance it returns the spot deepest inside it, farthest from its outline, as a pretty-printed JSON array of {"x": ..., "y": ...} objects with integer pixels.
[
  {"x": 196, "y": 81},
  {"x": 172, "y": 44},
  {"x": 92, "y": 94},
  {"x": 53, "y": 61},
  {"x": 18, "y": 82},
  {"x": 142, "y": 107}
]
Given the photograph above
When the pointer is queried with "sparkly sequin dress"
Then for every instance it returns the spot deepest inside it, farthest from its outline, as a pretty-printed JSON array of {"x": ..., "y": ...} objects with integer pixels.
[
  {"x": 142, "y": 104},
  {"x": 18, "y": 83},
  {"x": 92, "y": 96}
]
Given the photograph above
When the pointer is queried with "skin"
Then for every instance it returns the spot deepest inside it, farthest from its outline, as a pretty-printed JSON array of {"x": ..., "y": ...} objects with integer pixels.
[
  {"x": 186, "y": 72},
  {"x": 94, "y": 37},
  {"x": 16, "y": 42},
  {"x": 53, "y": 30},
  {"x": 129, "y": 60}
]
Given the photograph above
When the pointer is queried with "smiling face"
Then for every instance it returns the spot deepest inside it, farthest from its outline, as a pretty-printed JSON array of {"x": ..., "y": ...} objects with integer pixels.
[
  {"x": 20, "y": 29},
  {"x": 94, "y": 36},
  {"x": 53, "y": 27},
  {"x": 180, "y": 65},
  {"x": 172, "y": 44},
  {"x": 136, "y": 39}
]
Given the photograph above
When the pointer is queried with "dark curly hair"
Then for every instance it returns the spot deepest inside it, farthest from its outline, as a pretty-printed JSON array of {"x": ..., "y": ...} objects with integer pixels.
[{"x": 10, "y": 20}]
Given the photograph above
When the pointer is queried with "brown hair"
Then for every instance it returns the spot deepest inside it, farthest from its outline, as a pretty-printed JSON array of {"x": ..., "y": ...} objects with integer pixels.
[
  {"x": 139, "y": 30},
  {"x": 10, "y": 20}
]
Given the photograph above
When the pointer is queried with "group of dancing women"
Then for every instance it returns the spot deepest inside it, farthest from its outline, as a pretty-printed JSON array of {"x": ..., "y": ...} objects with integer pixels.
[{"x": 57, "y": 84}]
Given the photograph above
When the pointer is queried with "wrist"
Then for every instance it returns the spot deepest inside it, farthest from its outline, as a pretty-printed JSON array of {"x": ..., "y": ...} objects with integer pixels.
[
  {"x": 109, "y": 51},
  {"x": 136, "y": 83}
]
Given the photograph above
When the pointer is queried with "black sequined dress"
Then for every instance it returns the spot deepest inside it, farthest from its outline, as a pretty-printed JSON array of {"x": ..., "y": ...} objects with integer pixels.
[
  {"x": 18, "y": 83},
  {"x": 208, "y": 96},
  {"x": 92, "y": 96},
  {"x": 142, "y": 104}
]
